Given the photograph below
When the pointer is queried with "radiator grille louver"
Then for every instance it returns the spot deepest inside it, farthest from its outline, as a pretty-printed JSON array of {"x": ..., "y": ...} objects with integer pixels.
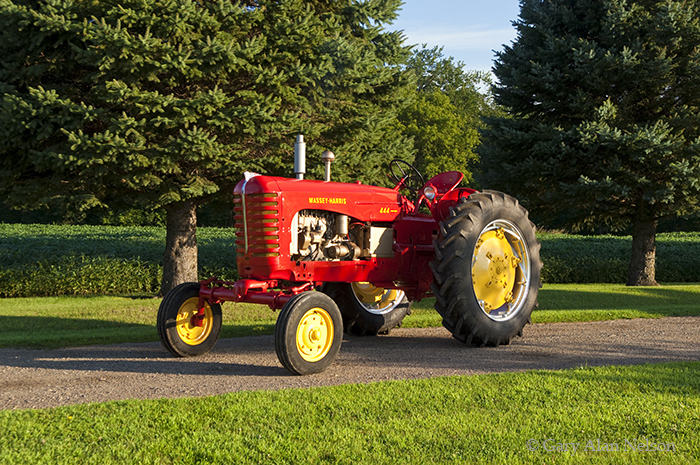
[{"x": 257, "y": 225}]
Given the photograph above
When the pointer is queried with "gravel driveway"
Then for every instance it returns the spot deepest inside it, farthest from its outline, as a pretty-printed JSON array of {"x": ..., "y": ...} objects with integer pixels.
[{"x": 50, "y": 378}]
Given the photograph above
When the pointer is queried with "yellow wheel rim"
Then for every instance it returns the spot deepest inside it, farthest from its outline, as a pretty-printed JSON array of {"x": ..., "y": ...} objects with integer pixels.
[
  {"x": 189, "y": 332},
  {"x": 499, "y": 270},
  {"x": 376, "y": 299},
  {"x": 315, "y": 335}
]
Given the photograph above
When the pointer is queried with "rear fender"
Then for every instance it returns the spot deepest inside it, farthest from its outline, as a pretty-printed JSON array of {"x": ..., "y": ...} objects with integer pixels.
[
  {"x": 440, "y": 193},
  {"x": 441, "y": 207}
]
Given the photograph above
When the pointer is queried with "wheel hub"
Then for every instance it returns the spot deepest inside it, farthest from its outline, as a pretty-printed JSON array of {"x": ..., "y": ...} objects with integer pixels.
[
  {"x": 314, "y": 334},
  {"x": 497, "y": 269},
  {"x": 494, "y": 268},
  {"x": 198, "y": 319},
  {"x": 194, "y": 325}
]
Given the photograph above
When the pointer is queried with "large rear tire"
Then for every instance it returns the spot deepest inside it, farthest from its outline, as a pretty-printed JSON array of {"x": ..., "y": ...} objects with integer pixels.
[
  {"x": 486, "y": 269},
  {"x": 182, "y": 328},
  {"x": 308, "y": 333},
  {"x": 368, "y": 309}
]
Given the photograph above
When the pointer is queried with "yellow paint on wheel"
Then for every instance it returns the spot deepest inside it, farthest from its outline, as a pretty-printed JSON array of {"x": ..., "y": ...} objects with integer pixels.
[
  {"x": 373, "y": 297},
  {"x": 189, "y": 332},
  {"x": 315, "y": 334},
  {"x": 494, "y": 267}
]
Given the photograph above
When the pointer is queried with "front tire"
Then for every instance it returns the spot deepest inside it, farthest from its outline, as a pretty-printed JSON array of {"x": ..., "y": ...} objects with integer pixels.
[
  {"x": 368, "y": 309},
  {"x": 182, "y": 328},
  {"x": 486, "y": 269},
  {"x": 308, "y": 333}
]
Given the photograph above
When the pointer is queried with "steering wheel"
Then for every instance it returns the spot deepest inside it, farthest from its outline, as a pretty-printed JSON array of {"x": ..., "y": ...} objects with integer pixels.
[{"x": 406, "y": 175}]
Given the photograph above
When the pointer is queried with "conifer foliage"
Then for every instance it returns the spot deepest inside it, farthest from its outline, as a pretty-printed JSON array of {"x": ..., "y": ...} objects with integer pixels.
[
  {"x": 165, "y": 103},
  {"x": 604, "y": 126}
]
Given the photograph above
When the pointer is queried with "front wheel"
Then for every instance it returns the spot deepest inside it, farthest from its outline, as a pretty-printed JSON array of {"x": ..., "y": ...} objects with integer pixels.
[
  {"x": 308, "y": 333},
  {"x": 185, "y": 329},
  {"x": 368, "y": 309},
  {"x": 486, "y": 269}
]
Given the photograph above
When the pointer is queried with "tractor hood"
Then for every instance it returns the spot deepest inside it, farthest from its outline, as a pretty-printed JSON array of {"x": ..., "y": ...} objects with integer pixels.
[{"x": 360, "y": 201}]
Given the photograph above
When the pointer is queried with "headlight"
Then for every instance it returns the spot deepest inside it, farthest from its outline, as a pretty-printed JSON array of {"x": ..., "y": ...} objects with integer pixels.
[{"x": 429, "y": 192}]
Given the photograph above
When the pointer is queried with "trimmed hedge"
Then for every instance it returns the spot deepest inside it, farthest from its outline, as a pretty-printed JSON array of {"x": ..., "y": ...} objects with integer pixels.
[
  {"x": 584, "y": 259},
  {"x": 605, "y": 259},
  {"x": 80, "y": 275},
  {"x": 42, "y": 260}
]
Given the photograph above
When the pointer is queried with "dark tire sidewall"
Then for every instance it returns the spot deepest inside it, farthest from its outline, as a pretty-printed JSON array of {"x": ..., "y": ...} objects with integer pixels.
[
  {"x": 167, "y": 322},
  {"x": 286, "y": 328}
]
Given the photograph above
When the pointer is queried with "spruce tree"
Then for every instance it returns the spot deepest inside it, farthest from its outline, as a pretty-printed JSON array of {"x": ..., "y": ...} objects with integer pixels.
[
  {"x": 604, "y": 123},
  {"x": 165, "y": 103}
]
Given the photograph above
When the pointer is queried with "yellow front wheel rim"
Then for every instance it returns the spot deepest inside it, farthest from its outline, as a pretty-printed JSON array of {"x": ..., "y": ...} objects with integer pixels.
[
  {"x": 189, "y": 331},
  {"x": 315, "y": 334}
]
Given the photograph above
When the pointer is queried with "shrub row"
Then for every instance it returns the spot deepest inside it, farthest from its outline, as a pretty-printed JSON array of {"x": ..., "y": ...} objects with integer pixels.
[
  {"x": 605, "y": 259},
  {"x": 80, "y": 275},
  {"x": 40, "y": 260}
]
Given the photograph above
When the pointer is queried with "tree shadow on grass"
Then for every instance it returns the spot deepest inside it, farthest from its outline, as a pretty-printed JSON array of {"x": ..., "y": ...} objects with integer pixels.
[
  {"x": 53, "y": 332},
  {"x": 38, "y": 332}
]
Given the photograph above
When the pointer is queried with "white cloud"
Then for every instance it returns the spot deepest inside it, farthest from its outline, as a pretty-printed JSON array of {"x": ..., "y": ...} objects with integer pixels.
[{"x": 472, "y": 40}]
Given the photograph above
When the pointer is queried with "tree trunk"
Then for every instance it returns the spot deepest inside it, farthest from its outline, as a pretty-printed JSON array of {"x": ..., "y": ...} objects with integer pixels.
[
  {"x": 642, "y": 271},
  {"x": 180, "y": 259}
]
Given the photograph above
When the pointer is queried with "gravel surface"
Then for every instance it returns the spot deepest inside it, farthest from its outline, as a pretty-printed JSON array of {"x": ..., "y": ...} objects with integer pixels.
[{"x": 51, "y": 378}]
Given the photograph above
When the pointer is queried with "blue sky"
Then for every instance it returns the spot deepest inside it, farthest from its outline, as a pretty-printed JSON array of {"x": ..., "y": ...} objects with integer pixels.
[{"x": 469, "y": 30}]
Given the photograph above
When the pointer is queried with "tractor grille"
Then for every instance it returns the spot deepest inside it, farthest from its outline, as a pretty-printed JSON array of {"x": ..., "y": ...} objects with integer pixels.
[{"x": 257, "y": 225}]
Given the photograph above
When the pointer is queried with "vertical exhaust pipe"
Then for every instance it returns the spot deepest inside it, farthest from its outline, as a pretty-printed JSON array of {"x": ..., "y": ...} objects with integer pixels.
[
  {"x": 328, "y": 158},
  {"x": 300, "y": 157}
]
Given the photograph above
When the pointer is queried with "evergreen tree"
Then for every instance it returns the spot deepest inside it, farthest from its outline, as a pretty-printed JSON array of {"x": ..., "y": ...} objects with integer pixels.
[
  {"x": 165, "y": 103},
  {"x": 445, "y": 115},
  {"x": 604, "y": 126}
]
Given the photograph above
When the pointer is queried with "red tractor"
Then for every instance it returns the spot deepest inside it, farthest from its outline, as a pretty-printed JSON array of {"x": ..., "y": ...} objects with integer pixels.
[{"x": 338, "y": 257}]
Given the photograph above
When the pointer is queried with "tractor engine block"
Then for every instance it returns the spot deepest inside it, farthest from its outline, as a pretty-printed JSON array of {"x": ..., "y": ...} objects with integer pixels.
[{"x": 319, "y": 235}]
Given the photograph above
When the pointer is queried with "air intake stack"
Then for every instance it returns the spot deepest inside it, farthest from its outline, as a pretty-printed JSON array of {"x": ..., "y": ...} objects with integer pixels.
[{"x": 328, "y": 158}]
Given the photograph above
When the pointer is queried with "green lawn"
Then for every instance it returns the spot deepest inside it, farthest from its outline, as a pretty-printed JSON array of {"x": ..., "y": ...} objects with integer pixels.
[
  {"x": 593, "y": 302},
  {"x": 71, "y": 321},
  {"x": 511, "y": 418}
]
